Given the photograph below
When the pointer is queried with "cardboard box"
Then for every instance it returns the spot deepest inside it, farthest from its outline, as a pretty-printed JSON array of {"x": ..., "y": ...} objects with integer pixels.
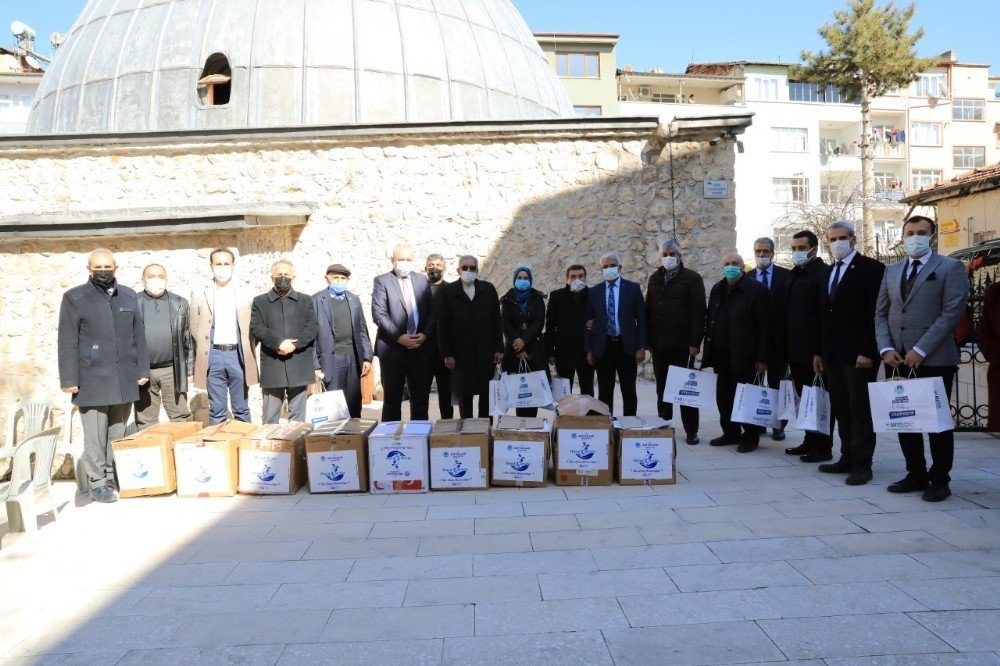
[
  {"x": 460, "y": 454},
  {"x": 145, "y": 460},
  {"x": 337, "y": 456},
  {"x": 207, "y": 462},
  {"x": 585, "y": 451},
  {"x": 521, "y": 448},
  {"x": 397, "y": 457},
  {"x": 273, "y": 459},
  {"x": 647, "y": 451}
]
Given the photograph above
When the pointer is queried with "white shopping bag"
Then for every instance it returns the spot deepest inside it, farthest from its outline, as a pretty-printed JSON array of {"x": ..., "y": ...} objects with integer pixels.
[
  {"x": 910, "y": 405},
  {"x": 814, "y": 409},
  {"x": 756, "y": 404},
  {"x": 498, "y": 395},
  {"x": 323, "y": 406},
  {"x": 527, "y": 389},
  {"x": 689, "y": 387},
  {"x": 560, "y": 388},
  {"x": 788, "y": 400}
]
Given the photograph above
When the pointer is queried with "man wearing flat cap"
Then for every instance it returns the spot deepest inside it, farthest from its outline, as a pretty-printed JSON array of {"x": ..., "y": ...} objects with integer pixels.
[{"x": 343, "y": 350}]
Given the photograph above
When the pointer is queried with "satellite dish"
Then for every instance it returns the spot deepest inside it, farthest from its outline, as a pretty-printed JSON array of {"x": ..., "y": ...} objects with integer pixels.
[{"x": 32, "y": 62}]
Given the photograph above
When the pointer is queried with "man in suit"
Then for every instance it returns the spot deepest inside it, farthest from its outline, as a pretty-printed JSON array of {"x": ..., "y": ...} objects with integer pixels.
[
  {"x": 403, "y": 311},
  {"x": 675, "y": 313},
  {"x": 616, "y": 341},
  {"x": 102, "y": 363},
  {"x": 435, "y": 268},
  {"x": 809, "y": 277},
  {"x": 565, "y": 322},
  {"x": 921, "y": 301},
  {"x": 342, "y": 354},
  {"x": 284, "y": 322},
  {"x": 848, "y": 350},
  {"x": 167, "y": 322},
  {"x": 775, "y": 279},
  {"x": 470, "y": 336},
  {"x": 225, "y": 359},
  {"x": 737, "y": 327}
]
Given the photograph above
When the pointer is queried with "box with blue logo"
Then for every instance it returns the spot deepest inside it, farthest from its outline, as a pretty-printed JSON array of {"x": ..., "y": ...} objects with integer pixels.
[
  {"x": 521, "y": 452},
  {"x": 460, "y": 454},
  {"x": 144, "y": 461},
  {"x": 207, "y": 462},
  {"x": 337, "y": 456},
  {"x": 273, "y": 459},
  {"x": 584, "y": 451},
  {"x": 647, "y": 451},
  {"x": 397, "y": 457}
]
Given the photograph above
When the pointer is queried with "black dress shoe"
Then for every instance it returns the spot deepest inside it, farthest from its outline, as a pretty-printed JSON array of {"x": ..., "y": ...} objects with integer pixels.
[
  {"x": 778, "y": 435},
  {"x": 859, "y": 477},
  {"x": 910, "y": 484},
  {"x": 937, "y": 492},
  {"x": 816, "y": 457},
  {"x": 723, "y": 441},
  {"x": 799, "y": 450},
  {"x": 842, "y": 466},
  {"x": 747, "y": 447},
  {"x": 692, "y": 439}
]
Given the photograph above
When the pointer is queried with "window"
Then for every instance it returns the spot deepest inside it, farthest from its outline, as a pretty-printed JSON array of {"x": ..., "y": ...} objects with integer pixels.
[
  {"x": 930, "y": 85},
  {"x": 968, "y": 157},
  {"x": 925, "y": 134},
  {"x": 813, "y": 92},
  {"x": 790, "y": 190},
  {"x": 789, "y": 139},
  {"x": 578, "y": 65},
  {"x": 216, "y": 81},
  {"x": 764, "y": 88},
  {"x": 886, "y": 180},
  {"x": 923, "y": 177},
  {"x": 587, "y": 111},
  {"x": 968, "y": 109},
  {"x": 829, "y": 194}
]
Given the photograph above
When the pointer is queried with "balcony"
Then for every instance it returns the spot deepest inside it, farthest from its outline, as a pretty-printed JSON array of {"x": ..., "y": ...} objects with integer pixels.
[{"x": 889, "y": 151}]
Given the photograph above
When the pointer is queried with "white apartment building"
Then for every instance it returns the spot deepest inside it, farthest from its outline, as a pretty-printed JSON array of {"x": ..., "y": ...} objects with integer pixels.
[{"x": 19, "y": 80}]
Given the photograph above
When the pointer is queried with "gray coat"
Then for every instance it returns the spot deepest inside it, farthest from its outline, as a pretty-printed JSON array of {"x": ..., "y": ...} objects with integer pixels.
[
  {"x": 928, "y": 316},
  {"x": 102, "y": 345}
]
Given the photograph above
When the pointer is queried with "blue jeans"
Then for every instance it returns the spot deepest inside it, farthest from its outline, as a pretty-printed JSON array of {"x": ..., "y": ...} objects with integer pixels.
[{"x": 226, "y": 383}]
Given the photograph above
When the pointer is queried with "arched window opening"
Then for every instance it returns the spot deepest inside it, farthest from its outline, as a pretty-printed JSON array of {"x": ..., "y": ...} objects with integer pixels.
[{"x": 216, "y": 82}]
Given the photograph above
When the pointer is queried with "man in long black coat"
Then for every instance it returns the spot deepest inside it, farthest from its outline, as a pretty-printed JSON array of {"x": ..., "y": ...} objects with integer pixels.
[
  {"x": 565, "y": 327},
  {"x": 284, "y": 322},
  {"x": 102, "y": 362},
  {"x": 469, "y": 336}
]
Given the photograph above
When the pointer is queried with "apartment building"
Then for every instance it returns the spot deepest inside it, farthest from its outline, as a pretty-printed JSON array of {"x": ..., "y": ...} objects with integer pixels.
[
  {"x": 587, "y": 65},
  {"x": 19, "y": 79}
]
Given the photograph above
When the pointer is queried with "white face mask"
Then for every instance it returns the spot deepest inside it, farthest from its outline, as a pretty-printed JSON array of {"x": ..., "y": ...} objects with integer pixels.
[
  {"x": 670, "y": 263},
  {"x": 917, "y": 246},
  {"x": 403, "y": 267},
  {"x": 223, "y": 273},
  {"x": 800, "y": 257},
  {"x": 156, "y": 287},
  {"x": 577, "y": 285},
  {"x": 840, "y": 248},
  {"x": 763, "y": 262},
  {"x": 468, "y": 277},
  {"x": 610, "y": 273}
]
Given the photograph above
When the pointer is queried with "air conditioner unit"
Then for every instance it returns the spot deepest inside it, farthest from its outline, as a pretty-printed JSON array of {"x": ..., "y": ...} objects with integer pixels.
[{"x": 644, "y": 91}]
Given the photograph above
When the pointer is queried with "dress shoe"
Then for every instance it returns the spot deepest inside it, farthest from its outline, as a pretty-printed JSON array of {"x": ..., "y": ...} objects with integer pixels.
[
  {"x": 746, "y": 447},
  {"x": 911, "y": 484},
  {"x": 816, "y": 457},
  {"x": 104, "y": 495},
  {"x": 723, "y": 441},
  {"x": 937, "y": 492},
  {"x": 778, "y": 435},
  {"x": 692, "y": 438},
  {"x": 859, "y": 476},
  {"x": 799, "y": 450},
  {"x": 842, "y": 466}
]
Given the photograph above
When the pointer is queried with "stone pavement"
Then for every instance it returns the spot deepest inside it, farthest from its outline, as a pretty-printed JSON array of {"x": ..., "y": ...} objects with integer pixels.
[{"x": 750, "y": 558}]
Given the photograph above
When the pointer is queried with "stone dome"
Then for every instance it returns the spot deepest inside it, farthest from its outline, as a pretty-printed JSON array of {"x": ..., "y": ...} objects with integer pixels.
[{"x": 139, "y": 65}]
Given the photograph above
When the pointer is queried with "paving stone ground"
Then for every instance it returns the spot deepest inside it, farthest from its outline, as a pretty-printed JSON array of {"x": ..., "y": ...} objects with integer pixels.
[{"x": 750, "y": 558}]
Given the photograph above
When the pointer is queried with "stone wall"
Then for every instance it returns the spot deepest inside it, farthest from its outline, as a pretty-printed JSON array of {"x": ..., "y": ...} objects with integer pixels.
[{"x": 545, "y": 200}]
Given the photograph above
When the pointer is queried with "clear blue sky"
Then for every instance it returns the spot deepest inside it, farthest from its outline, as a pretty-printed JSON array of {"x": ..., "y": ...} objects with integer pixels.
[{"x": 670, "y": 33}]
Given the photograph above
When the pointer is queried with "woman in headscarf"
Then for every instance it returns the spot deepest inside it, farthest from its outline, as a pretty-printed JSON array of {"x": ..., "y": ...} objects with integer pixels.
[{"x": 522, "y": 315}]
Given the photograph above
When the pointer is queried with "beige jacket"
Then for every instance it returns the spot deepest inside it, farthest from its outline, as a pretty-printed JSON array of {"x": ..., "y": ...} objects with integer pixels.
[{"x": 201, "y": 331}]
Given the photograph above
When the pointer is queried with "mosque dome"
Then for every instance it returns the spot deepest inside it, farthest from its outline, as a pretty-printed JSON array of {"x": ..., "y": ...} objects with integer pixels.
[{"x": 142, "y": 65}]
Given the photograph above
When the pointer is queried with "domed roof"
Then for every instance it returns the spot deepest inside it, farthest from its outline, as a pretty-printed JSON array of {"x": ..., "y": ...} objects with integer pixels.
[{"x": 137, "y": 65}]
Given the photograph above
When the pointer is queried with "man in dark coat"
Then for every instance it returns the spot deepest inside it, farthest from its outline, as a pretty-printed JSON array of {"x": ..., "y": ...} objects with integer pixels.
[
  {"x": 565, "y": 323},
  {"x": 403, "y": 311},
  {"x": 435, "y": 268},
  {"x": 343, "y": 351},
  {"x": 737, "y": 327},
  {"x": 102, "y": 363},
  {"x": 470, "y": 336},
  {"x": 675, "y": 314},
  {"x": 775, "y": 279},
  {"x": 284, "y": 322}
]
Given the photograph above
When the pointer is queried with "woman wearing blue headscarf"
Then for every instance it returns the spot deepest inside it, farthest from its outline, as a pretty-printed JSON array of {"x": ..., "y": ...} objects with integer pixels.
[{"x": 522, "y": 315}]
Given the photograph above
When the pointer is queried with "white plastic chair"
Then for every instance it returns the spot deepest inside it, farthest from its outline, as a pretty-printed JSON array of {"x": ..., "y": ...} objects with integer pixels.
[
  {"x": 33, "y": 413},
  {"x": 27, "y": 481},
  {"x": 74, "y": 447}
]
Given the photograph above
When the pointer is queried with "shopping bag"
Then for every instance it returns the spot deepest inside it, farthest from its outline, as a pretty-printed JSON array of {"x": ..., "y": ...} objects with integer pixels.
[
  {"x": 498, "y": 395},
  {"x": 910, "y": 405},
  {"x": 560, "y": 388},
  {"x": 756, "y": 404},
  {"x": 689, "y": 387},
  {"x": 527, "y": 389},
  {"x": 323, "y": 406},
  {"x": 788, "y": 400},
  {"x": 814, "y": 408}
]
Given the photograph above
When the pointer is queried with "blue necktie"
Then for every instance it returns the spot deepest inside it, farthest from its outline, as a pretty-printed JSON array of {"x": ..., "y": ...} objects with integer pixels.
[{"x": 612, "y": 315}]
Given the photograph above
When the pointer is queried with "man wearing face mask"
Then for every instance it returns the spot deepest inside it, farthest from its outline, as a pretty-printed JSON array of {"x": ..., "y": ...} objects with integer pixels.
[
  {"x": 342, "y": 354},
  {"x": 616, "y": 342},
  {"x": 921, "y": 301},
  {"x": 565, "y": 322},
  {"x": 434, "y": 267},
  {"x": 802, "y": 332},
  {"x": 102, "y": 363},
  {"x": 737, "y": 328},
  {"x": 403, "y": 311},
  {"x": 675, "y": 313},
  {"x": 775, "y": 279},
  {"x": 848, "y": 350},
  {"x": 166, "y": 319},
  {"x": 284, "y": 322},
  {"x": 470, "y": 336}
]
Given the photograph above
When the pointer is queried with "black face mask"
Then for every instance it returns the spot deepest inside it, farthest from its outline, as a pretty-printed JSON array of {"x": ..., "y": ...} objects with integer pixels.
[
  {"x": 283, "y": 284},
  {"x": 103, "y": 278},
  {"x": 435, "y": 274}
]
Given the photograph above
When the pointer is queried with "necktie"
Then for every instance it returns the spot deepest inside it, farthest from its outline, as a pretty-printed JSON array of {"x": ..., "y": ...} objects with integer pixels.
[
  {"x": 836, "y": 280},
  {"x": 911, "y": 278},
  {"x": 612, "y": 314},
  {"x": 409, "y": 304},
  {"x": 763, "y": 279}
]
